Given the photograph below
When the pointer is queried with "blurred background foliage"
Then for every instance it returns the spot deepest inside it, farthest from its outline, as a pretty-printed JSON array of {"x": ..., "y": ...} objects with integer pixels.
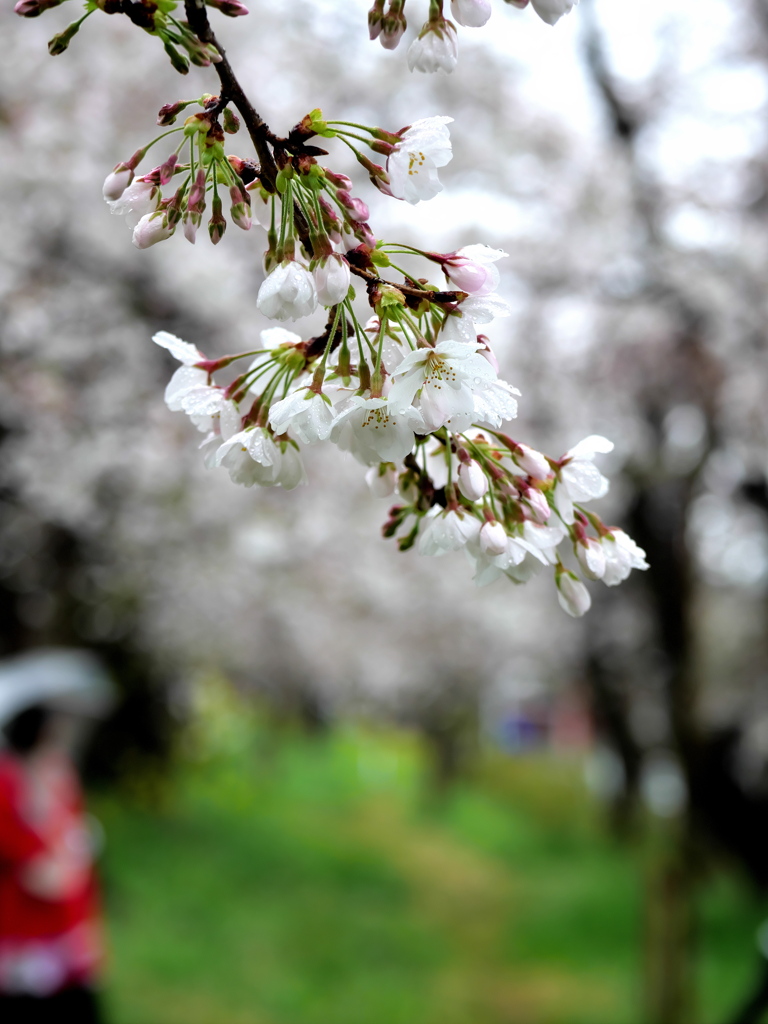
[{"x": 380, "y": 814}]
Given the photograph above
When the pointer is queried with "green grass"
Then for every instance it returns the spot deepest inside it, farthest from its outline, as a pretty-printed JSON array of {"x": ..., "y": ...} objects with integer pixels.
[{"x": 309, "y": 881}]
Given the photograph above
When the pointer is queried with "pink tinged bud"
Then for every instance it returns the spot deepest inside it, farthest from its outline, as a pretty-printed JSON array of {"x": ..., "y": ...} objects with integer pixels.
[
  {"x": 381, "y": 480},
  {"x": 357, "y": 208},
  {"x": 168, "y": 112},
  {"x": 473, "y": 483},
  {"x": 391, "y": 33},
  {"x": 471, "y": 13},
  {"x": 520, "y": 4},
  {"x": 32, "y": 8},
  {"x": 152, "y": 228},
  {"x": 538, "y": 505},
  {"x": 487, "y": 352},
  {"x": 117, "y": 182},
  {"x": 232, "y": 8},
  {"x": 167, "y": 169},
  {"x": 241, "y": 208},
  {"x": 196, "y": 198},
  {"x": 471, "y": 277},
  {"x": 375, "y": 16},
  {"x": 217, "y": 225},
  {"x": 572, "y": 594},
  {"x": 332, "y": 280},
  {"x": 493, "y": 538},
  {"x": 364, "y": 234},
  {"x": 532, "y": 462},
  {"x": 339, "y": 180},
  {"x": 591, "y": 557}
]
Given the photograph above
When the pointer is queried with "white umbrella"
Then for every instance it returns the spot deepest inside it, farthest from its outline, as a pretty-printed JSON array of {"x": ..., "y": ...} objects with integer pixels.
[{"x": 64, "y": 679}]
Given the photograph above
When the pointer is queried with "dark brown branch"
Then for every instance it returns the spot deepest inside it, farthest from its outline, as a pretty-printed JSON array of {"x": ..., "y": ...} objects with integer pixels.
[{"x": 232, "y": 92}]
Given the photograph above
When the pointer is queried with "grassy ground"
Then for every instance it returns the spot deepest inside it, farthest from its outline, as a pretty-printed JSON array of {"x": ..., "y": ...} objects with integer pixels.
[{"x": 310, "y": 882}]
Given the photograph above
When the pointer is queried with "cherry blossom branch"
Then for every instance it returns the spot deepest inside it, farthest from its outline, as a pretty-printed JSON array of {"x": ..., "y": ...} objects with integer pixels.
[{"x": 232, "y": 91}]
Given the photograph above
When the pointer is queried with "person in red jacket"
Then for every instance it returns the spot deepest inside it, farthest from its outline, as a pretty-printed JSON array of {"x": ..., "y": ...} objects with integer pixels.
[{"x": 50, "y": 946}]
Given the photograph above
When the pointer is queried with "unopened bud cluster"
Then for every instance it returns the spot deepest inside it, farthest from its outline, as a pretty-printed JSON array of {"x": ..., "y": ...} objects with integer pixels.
[
  {"x": 436, "y": 47},
  {"x": 156, "y": 17}
]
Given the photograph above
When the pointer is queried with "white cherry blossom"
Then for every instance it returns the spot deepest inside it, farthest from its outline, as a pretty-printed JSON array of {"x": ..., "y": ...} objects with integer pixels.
[
  {"x": 308, "y": 414},
  {"x": 579, "y": 479},
  {"x": 444, "y": 531},
  {"x": 475, "y": 309},
  {"x": 288, "y": 293},
  {"x": 138, "y": 199},
  {"x": 253, "y": 457},
  {"x": 455, "y": 385},
  {"x": 412, "y": 166},
  {"x": 189, "y": 391},
  {"x": 622, "y": 555},
  {"x": 590, "y": 555},
  {"x": 374, "y": 431}
]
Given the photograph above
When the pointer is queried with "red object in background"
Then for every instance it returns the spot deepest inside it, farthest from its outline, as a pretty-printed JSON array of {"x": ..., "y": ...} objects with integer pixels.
[{"x": 49, "y": 918}]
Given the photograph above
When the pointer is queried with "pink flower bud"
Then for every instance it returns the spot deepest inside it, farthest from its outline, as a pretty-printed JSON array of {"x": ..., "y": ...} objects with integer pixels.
[
  {"x": 392, "y": 32},
  {"x": 241, "y": 208},
  {"x": 357, "y": 208},
  {"x": 232, "y": 8},
  {"x": 493, "y": 538},
  {"x": 374, "y": 18},
  {"x": 537, "y": 503},
  {"x": 487, "y": 352},
  {"x": 532, "y": 462},
  {"x": 473, "y": 483},
  {"x": 196, "y": 197},
  {"x": 32, "y": 8},
  {"x": 339, "y": 180},
  {"x": 217, "y": 225}
]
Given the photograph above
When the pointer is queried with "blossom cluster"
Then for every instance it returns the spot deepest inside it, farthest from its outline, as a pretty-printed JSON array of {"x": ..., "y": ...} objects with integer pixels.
[
  {"x": 156, "y": 17},
  {"x": 436, "y": 47},
  {"x": 411, "y": 388},
  {"x": 414, "y": 394}
]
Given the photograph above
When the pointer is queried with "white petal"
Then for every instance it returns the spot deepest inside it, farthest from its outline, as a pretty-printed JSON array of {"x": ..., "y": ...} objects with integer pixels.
[{"x": 184, "y": 351}]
